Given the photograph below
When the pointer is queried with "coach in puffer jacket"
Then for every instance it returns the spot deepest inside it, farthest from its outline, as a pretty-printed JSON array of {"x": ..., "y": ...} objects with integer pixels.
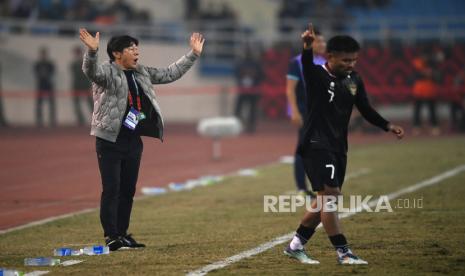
[
  {"x": 125, "y": 107},
  {"x": 110, "y": 92}
]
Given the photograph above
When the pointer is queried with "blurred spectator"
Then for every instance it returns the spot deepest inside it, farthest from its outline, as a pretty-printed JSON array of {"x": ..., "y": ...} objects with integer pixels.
[
  {"x": 340, "y": 19},
  {"x": 248, "y": 79},
  {"x": 290, "y": 11},
  {"x": 221, "y": 20},
  {"x": 275, "y": 62},
  {"x": 4, "y": 9},
  {"x": 366, "y": 4},
  {"x": 329, "y": 14},
  {"x": 424, "y": 93},
  {"x": 22, "y": 8},
  {"x": 83, "y": 11},
  {"x": 51, "y": 9},
  {"x": 44, "y": 70},
  {"x": 80, "y": 85},
  {"x": 119, "y": 11},
  {"x": 122, "y": 10},
  {"x": 191, "y": 9},
  {"x": 3, "y": 122},
  {"x": 457, "y": 104}
]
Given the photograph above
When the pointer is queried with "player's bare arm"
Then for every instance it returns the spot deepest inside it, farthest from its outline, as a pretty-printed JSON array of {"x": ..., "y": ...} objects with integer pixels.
[{"x": 296, "y": 117}]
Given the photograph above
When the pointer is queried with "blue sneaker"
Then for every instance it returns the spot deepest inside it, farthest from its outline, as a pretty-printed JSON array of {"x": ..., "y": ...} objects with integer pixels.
[{"x": 300, "y": 255}]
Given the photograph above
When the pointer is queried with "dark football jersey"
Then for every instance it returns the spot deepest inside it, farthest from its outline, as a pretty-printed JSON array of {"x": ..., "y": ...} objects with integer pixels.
[{"x": 330, "y": 100}]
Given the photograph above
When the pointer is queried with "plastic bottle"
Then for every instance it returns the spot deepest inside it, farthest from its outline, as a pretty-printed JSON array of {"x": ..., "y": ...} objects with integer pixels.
[
  {"x": 96, "y": 250},
  {"x": 41, "y": 261},
  {"x": 153, "y": 191},
  {"x": 64, "y": 251},
  {"x": 10, "y": 272}
]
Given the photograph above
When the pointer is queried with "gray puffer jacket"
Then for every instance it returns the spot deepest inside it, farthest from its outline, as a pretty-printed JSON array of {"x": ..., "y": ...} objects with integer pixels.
[{"x": 110, "y": 92}]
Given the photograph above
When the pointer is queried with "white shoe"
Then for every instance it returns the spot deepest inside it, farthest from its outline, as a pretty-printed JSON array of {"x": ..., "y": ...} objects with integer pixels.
[
  {"x": 350, "y": 259},
  {"x": 300, "y": 255}
]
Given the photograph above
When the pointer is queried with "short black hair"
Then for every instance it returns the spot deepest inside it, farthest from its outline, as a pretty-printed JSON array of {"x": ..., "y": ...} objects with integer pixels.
[
  {"x": 342, "y": 43},
  {"x": 118, "y": 43}
]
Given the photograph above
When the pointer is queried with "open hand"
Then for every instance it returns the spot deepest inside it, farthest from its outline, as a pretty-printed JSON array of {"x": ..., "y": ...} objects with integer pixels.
[
  {"x": 308, "y": 36},
  {"x": 90, "y": 41},
  {"x": 196, "y": 43}
]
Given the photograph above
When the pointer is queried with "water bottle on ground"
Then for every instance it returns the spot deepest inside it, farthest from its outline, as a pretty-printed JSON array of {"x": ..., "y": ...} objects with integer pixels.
[
  {"x": 41, "y": 261},
  {"x": 10, "y": 272},
  {"x": 64, "y": 251},
  {"x": 96, "y": 250}
]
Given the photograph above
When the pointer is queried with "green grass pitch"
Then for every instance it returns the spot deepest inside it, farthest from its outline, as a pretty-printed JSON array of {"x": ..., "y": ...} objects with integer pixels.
[{"x": 188, "y": 230}]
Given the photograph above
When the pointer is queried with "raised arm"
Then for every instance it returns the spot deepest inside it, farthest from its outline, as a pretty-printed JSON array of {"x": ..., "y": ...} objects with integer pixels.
[
  {"x": 180, "y": 67},
  {"x": 308, "y": 67},
  {"x": 90, "y": 66}
]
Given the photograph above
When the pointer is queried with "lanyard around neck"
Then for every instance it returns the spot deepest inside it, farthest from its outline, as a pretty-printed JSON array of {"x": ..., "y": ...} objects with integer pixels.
[{"x": 131, "y": 103}]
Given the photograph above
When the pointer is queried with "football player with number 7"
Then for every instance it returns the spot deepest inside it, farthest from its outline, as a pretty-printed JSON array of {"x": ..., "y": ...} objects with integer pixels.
[{"x": 332, "y": 91}]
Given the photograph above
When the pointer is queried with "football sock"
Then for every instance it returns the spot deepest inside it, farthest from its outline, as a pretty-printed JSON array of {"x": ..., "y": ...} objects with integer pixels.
[
  {"x": 340, "y": 244},
  {"x": 303, "y": 234}
]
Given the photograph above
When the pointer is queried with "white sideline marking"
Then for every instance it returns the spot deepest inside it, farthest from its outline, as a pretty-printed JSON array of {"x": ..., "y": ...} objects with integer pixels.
[
  {"x": 71, "y": 262},
  {"x": 37, "y": 273},
  {"x": 47, "y": 220},
  {"x": 282, "y": 239},
  {"x": 88, "y": 210}
]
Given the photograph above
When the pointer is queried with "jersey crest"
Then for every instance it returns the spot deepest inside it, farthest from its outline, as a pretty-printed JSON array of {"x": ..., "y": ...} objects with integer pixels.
[{"x": 352, "y": 86}]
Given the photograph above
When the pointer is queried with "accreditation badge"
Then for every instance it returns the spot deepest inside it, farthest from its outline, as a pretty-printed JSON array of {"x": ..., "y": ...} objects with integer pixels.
[{"x": 132, "y": 119}]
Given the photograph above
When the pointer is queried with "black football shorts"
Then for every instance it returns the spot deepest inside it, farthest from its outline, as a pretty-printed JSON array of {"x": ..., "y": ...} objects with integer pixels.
[{"x": 325, "y": 167}]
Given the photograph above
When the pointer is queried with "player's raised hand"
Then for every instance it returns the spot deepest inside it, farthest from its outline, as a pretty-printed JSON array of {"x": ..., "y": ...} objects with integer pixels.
[
  {"x": 196, "y": 43},
  {"x": 308, "y": 36},
  {"x": 397, "y": 130},
  {"x": 91, "y": 42}
]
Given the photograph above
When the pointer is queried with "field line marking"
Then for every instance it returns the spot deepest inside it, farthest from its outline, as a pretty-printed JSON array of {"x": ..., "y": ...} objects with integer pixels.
[
  {"x": 282, "y": 239},
  {"x": 47, "y": 220},
  {"x": 88, "y": 210}
]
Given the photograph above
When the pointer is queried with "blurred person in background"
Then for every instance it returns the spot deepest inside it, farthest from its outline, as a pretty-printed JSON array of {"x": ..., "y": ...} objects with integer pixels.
[
  {"x": 457, "y": 103},
  {"x": 296, "y": 98},
  {"x": 249, "y": 76},
  {"x": 44, "y": 70},
  {"x": 125, "y": 108},
  {"x": 424, "y": 92},
  {"x": 81, "y": 87},
  {"x": 3, "y": 122}
]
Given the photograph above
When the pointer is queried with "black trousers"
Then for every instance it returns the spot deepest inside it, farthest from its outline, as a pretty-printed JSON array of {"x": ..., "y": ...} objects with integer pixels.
[
  {"x": 299, "y": 168},
  {"x": 77, "y": 97},
  {"x": 119, "y": 168},
  {"x": 250, "y": 119},
  {"x": 431, "y": 103},
  {"x": 43, "y": 95}
]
